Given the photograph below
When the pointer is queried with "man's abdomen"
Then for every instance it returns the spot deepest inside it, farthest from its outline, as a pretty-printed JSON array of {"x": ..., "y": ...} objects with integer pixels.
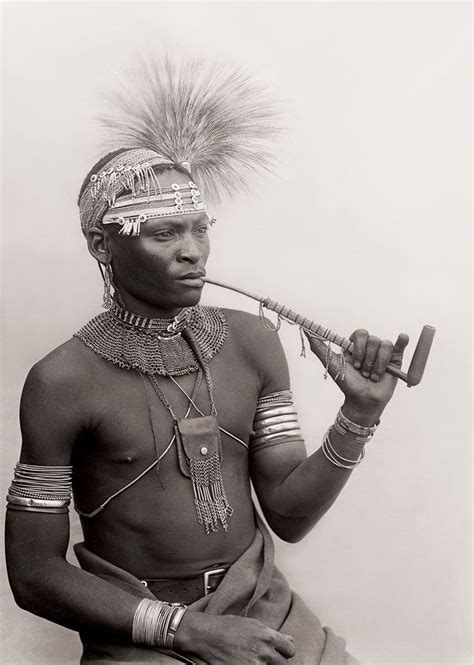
[{"x": 152, "y": 529}]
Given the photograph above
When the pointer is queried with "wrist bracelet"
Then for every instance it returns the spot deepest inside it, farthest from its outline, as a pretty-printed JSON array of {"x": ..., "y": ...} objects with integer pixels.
[
  {"x": 335, "y": 458},
  {"x": 174, "y": 623},
  {"x": 344, "y": 425},
  {"x": 155, "y": 622}
]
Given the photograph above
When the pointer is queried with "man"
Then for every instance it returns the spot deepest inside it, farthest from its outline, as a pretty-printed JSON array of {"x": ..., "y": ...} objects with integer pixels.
[{"x": 163, "y": 412}]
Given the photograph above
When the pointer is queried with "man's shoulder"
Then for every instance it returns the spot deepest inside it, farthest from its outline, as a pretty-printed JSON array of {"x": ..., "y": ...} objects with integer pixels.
[
  {"x": 64, "y": 365},
  {"x": 56, "y": 402},
  {"x": 244, "y": 323},
  {"x": 259, "y": 346},
  {"x": 239, "y": 318},
  {"x": 251, "y": 333}
]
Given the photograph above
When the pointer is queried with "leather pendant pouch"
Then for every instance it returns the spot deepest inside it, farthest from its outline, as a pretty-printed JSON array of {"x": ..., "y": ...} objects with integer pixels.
[{"x": 197, "y": 439}]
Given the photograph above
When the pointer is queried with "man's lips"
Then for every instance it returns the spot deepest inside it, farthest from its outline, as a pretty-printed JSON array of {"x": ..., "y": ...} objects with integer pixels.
[
  {"x": 193, "y": 275},
  {"x": 192, "y": 278}
]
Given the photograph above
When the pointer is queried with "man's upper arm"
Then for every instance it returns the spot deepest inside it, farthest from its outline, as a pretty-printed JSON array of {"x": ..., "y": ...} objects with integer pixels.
[
  {"x": 51, "y": 417},
  {"x": 51, "y": 410},
  {"x": 271, "y": 464},
  {"x": 263, "y": 350}
]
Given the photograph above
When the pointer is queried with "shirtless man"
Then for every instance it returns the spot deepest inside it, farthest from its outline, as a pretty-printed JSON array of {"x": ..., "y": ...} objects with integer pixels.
[{"x": 110, "y": 423}]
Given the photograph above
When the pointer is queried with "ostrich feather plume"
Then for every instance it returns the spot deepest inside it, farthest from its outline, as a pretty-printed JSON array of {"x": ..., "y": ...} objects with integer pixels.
[{"x": 211, "y": 115}]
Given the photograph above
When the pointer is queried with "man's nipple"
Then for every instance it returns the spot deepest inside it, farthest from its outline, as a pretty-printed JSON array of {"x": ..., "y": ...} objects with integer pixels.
[{"x": 128, "y": 458}]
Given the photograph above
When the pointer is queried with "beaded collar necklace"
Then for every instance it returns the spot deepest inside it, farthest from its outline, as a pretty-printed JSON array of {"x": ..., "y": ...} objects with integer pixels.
[
  {"x": 164, "y": 328},
  {"x": 155, "y": 346}
]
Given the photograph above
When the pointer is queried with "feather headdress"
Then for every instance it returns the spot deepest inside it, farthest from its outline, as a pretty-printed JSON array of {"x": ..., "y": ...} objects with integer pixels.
[
  {"x": 208, "y": 114},
  {"x": 209, "y": 118}
]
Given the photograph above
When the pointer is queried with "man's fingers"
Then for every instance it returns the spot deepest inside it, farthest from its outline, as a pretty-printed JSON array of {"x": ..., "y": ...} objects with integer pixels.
[
  {"x": 398, "y": 349},
  {"x": 370, "y": 355},
  {"x": 324, "y": 352},
  {"x": 275, "y": 658},
  {"x": 401, "y": 343},
  {"x": 359, "y": 338},
  {"x": 384, "y": 356},
  {"x": 371, "y": 351},
  {"x": 284, "y": 645},
  {"x": 316, "y": 346}
]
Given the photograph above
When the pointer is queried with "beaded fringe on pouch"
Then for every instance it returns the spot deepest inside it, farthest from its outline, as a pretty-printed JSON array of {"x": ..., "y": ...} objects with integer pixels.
[{"x": 210, "y": 500}]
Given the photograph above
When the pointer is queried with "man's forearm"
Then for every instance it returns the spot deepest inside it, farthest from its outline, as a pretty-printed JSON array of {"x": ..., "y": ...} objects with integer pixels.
[
  {"x": 74, "y": 598},
  {"x": 71, "y": 597},
  {"x": 304, "y": 496}
]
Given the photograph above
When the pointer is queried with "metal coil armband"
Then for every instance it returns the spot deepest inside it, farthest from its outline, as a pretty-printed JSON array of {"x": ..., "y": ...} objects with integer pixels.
[
  {"x": 41, "y": 489},
  {"x": 276, "y": 421}
]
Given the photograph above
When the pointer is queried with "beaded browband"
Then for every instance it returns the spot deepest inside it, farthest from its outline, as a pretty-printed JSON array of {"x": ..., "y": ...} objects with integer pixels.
[
  {"x": 132, "y": 211},
  {"x": 127, "y": 192}
]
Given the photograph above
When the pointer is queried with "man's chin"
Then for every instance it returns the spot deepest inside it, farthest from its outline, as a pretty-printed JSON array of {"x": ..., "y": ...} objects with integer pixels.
[
  {"x": 176, "y": 299},
  {"x": 193, "y": 299},
  {"x": 189, "y": 298}
]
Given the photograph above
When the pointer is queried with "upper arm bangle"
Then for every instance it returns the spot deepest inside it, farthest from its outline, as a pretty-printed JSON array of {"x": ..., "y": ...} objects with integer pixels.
[
  {"x": 40, "y": 488},
  {"x": 276, "y": 420}
]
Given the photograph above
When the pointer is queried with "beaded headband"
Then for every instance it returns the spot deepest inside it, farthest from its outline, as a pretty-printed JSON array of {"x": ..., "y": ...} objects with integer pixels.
[
  {"x": 132, "y": 211},
  {"x": 104, "y": 200}
]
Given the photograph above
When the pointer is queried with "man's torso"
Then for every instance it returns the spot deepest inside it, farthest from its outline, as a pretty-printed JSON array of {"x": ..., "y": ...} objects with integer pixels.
[{"x": 151, "y": 529}]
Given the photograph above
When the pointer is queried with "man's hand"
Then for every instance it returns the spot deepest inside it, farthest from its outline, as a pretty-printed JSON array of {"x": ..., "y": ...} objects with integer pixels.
[
  {"x": 367, "y": 386},
  {"x": 231, "y": 640}
]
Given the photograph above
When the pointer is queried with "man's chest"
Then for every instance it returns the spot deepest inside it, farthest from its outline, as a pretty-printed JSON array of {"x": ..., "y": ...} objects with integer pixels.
[
  {"x": 133, "y": 426},
  {"x": 132, "y": 416}
]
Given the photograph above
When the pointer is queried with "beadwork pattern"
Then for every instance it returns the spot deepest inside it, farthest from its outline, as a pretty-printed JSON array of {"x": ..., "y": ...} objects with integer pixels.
[
  {"x": 140, "y": 343},
  {"x": 135, "y": 168}
]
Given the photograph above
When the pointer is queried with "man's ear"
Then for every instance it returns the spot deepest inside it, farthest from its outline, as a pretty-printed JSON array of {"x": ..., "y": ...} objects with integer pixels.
[{"x": 98, "y": 245}]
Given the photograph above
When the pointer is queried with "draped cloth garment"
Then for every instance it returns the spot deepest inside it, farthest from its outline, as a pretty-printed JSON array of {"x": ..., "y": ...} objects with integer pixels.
[{"x": 252, "y": 588}]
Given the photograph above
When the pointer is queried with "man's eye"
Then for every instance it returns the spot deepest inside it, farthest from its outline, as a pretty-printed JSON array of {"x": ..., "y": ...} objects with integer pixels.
[
  {"x": 202, "y": 230},
  {"x": 163, "y": 235}
]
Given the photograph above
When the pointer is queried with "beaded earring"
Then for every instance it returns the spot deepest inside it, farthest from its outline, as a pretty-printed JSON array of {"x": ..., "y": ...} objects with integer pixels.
[{"x": 108, "y": 276}]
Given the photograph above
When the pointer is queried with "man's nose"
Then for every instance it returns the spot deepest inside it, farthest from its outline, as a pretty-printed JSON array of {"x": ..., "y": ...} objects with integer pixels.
[{"x": 189, "y": 249}]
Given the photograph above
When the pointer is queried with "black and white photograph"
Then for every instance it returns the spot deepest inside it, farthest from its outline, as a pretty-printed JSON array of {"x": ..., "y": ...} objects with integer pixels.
[{"x": 236, "y": 343}]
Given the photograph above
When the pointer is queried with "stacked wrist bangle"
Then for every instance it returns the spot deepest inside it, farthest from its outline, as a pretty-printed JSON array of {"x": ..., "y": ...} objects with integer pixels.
[
  {"x": 363, "y": 434},
  {"x": 344, "y": 426},
  {"x": 334, "y": 457},
  {"x": 155, "y": 623}
]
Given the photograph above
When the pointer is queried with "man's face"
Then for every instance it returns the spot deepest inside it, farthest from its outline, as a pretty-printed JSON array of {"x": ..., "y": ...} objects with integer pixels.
[{"x": 159, "y": 271}]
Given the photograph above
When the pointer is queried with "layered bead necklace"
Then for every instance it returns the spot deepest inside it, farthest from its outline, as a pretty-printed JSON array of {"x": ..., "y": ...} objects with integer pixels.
[{"x": 155, "y": 346}]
